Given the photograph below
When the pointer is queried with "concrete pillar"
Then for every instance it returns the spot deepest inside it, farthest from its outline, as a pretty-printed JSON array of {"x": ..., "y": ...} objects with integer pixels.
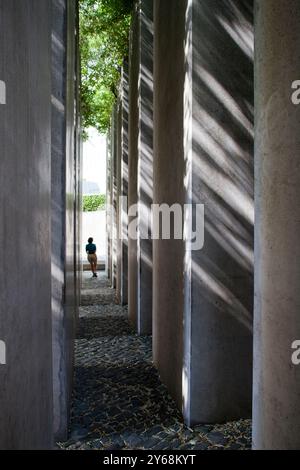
[
  {"x": 108, "y": 207},
  {"x": 118, "y": 200},
  {"x": 168, "y": 174},
  {"x": 276, "y": 406},
  {"x": 78, "y": 162},
  {"x": 203, "y": 313},
  {"x": 145, "y": 169},
  {"x": 132, "y": 163},
  {"x": 141, "y": 165},
  {"x": 65, "y": 210},
  {"x": 124, "y": 183},
  {"x": 26, "y": 412},
  {"x": 114, "y": 189},
  {"x": 217, "y": 372}
]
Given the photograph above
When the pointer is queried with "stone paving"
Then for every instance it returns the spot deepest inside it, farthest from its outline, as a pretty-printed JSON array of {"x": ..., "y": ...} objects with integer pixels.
[{"x": 119, "y": 401}]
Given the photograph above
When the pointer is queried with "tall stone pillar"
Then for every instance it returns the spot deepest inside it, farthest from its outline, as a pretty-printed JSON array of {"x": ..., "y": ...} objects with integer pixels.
[
  {"x": 118, "y": 201},
  {"x": 141, "y": 166},
  {"x": 133, "y": 165},
  {"x": 78, "y": 160},
  {"x": 168, "y": 174},
  {"x": 26, "y": 392},
  {"x": 203, "y": 312},
  {"x": 276, "y": 406},
  {"x": 145, "y": 168},
  {"x": 65, "y": 209},
  {"x": 217, "y": 371},
  {"x": 114, "y": 195},
  {"x": 124, "y": 183},
  {"x": 108, "y": 207}
]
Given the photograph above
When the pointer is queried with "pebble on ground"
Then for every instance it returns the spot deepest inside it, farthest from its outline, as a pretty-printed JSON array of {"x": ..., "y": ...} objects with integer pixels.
[{"x": 119, "y": 401}]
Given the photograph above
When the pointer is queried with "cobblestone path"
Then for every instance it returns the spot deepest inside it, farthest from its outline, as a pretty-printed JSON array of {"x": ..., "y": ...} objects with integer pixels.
[{"x": 119, "y": 401}]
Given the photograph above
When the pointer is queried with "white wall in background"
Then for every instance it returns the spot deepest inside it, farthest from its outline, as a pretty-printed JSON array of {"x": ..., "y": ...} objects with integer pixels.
[{"x": 94, "y": 225}]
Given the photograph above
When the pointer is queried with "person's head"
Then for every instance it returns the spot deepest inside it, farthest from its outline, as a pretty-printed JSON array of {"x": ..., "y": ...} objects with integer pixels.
[{"x": 90, "y": 240}]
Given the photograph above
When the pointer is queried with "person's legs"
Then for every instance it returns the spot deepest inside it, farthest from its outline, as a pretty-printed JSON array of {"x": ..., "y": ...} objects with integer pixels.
[
  {"x": 95, "y": 264},
  {"x": 91, "y": 261}
]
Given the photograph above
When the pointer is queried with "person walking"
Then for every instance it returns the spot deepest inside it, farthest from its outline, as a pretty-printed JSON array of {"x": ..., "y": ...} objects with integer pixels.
[{"x": 92, "y": 257}]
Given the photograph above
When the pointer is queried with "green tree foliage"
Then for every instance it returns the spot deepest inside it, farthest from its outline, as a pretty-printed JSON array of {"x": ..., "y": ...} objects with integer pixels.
[
  {"x": 94, "y": 203},
  {"x": 104, "y": 34}
]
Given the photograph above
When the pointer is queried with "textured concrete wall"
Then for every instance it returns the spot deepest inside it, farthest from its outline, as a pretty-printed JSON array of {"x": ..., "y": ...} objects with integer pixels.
[
  {"x": 78, "y": 157},
  {"x": 108, "y": 211},
  {"x": 71, "y": 191},
  {"x": 219, "y": 158},
  {"x": 203, "y": 154},
  {"x": 25, "y": 212},
  {"x": 64, "y": 175},
  {"x": 145, "y": 168},
  {"x": 133, "y": 163},
  {"x": 58, "y": 176},
  {"x": 114, "y": 196},
  {"x": 140, "y": 165},
  {"x": 118, "y": 201},
  {"x": 110, "y": 202},
  {"x": 168, "y": 174},
  {"x": 124, "y": 183},
  {"x": 276, "y": 407}
]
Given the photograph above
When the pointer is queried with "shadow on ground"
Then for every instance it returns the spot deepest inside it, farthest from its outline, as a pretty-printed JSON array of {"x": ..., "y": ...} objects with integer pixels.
[{"x": 119, "y": 401}]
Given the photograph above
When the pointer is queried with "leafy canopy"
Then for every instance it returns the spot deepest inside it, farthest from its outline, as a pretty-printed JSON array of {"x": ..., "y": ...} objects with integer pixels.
[{"x": 104, "y": 34}]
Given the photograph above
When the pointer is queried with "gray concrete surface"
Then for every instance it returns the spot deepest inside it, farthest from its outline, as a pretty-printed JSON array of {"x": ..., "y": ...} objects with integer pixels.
[
  {"x": 64, "y": 164},
  {"x": 58, "y": 182},
  {"x": 124, "y": 183},
  {"x": 118, "y": 201},
  {"x": 108, "y": 202},
  {"x": 73, "y": 164},
  {"x": 276, "y": 407},
  {"x": 140, "y": 190},
  {"x": 168, "y": 174},
  {"x": 133, "y": 164},
  {"x": 145, "y": 168},
  {"x": 26, "y": 411},
  {"x": 114, "y": 195},
  {"x": 219, "y": 156}
]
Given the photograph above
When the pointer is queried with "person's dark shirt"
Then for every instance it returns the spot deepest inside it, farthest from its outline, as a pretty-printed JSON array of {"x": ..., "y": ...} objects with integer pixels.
[{"x": 91, "y": 248}]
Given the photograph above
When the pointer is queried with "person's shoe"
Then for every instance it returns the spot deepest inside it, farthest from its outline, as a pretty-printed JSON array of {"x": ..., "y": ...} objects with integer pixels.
[{"x": 95, "y": 275}]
